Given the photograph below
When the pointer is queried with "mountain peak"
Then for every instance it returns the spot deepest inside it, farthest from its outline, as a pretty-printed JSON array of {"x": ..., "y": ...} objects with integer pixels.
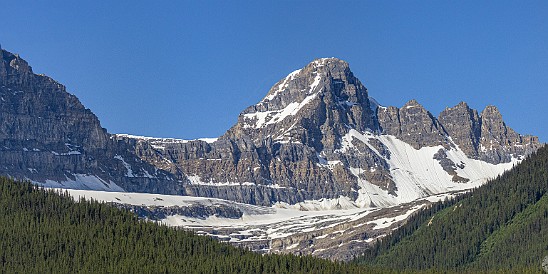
[
  {"x": 307, "y": 100},
  {"x": 462, "y": 104},
  {"x": 328, "y": 61},
  {"x": 16, "y": 67},
  {"x": 491, "y": 110},
  {"x": 412, "y": 103}
]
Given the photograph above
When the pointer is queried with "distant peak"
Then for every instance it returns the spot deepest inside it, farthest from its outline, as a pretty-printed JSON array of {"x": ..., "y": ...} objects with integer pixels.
[
  {"x": 412, "y": 103},
  {"x": 461, "y": 105},
  {"x": 490, "y": 109},
  {"x": 331, "y": 61}
]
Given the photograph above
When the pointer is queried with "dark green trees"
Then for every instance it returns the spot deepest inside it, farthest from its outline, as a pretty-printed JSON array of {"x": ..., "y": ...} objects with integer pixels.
[
  {"x": 501, "y": 225},
  {"x": 42, "y": 231}
]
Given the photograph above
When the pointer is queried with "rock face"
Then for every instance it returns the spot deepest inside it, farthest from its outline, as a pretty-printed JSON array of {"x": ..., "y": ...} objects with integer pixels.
[
  {"x": 49, "y": 137},
  {"x": 316, "y": 135},
  {"x": 463, "y": 124},
  {"x": 485, "y": 137},
  {"x": 412, "y": 124}
]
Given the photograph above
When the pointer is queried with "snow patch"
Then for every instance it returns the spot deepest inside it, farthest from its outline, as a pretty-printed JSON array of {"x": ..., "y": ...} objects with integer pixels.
[
  {"x": 387, "y": 222},
  {"x": 196, "y": 180},
  {"x": 82, "y": 181},
  {"x": 282, "y": 86},
  {"x": 129, "y": 171},
  {"x": 415, "y": 172},
  {"x": 276, "y": 115},
  {"x": 155, "y": 141}
]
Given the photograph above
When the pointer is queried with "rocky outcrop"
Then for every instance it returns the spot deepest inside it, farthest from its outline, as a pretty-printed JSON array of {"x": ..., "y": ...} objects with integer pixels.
[
  {"x": 450, "y": 167},
  {"x": 158, "y": 213},
  {"x": 49, "y": 137},
  {"x": 463, "y": 124},
  {"x": 412, "y": 124},
  {"x": 498, "y": 143},
  {"x": 314, "y": 106},
  {"x": 485, "y": 137}
]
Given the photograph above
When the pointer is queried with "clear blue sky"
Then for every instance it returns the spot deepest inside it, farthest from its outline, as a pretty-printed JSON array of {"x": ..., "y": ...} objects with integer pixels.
[{"x": 187, "y": 69}]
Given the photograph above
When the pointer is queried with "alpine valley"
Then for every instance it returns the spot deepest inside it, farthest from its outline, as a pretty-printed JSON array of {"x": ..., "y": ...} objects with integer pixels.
[{"x": 316, "y": 167}]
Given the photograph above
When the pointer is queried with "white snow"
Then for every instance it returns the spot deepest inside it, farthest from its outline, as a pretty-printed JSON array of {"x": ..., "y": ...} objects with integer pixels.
[
  {"x": 265, "y": 118},
  {"x": 342, "y": 202},
  {"x": 387, "y": 222},
  {"x": 147, "y": 199},
  {"x": 82, "y": 181},
  {"x": 416, "y": 173},
  {"x": 155, "y": 141},
  {"x": 277, "y": 115},
  {"x": 73, "y": 152},
  {"x": 129, "y": 171},
  {"x": 282, "y": 86},
  {"x": 196, "y": 180}
]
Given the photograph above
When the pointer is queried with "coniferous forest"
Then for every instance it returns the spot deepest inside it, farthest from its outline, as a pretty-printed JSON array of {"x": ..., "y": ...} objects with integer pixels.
[
  {"x": 501, "y": 226},
  {"x": 43, "y": 231}
]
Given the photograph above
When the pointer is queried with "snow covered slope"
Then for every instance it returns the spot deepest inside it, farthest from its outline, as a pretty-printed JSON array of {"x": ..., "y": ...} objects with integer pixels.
[
  {"x": 416, "y": 172},
  {"x": 280, "y": 228}
]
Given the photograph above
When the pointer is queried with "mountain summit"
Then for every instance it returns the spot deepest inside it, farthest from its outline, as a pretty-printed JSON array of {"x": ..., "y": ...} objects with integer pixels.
[
  {"x": 315, "y": 135},
  {"x": 314, "y": 106}
]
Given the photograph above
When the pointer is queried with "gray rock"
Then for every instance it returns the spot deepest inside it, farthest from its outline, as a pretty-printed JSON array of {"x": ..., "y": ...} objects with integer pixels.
[
  {"x": 287, "y": 148},
  {"x": 159, "y": 213},
  {"x": 463, "y": 124},
  {"x": 412, "y": 124},
  {"x": 485, "y": 137},
  {"x": 47, "y": 134}
]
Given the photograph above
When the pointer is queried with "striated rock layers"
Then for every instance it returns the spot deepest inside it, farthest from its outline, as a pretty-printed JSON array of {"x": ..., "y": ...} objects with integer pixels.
[
  {"x": 315, "y": 135},
  {"x": 49, "y": 137}
]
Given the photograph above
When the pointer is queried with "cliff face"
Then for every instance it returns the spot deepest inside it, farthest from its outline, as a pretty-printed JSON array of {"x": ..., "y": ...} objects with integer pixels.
[
  {"x": 485, "y": 137},
  {"x": 316, "y": 135},
  {"x": 48, "y": 136},
  {"x": 412, "y": 124}
]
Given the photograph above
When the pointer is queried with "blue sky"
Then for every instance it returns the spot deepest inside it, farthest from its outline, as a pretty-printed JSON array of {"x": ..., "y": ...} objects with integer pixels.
[{"x": 186, "y": 69}]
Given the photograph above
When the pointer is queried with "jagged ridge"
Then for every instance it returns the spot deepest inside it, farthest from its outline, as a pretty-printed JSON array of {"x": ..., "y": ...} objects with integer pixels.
[{"x": 315, "y": 135}]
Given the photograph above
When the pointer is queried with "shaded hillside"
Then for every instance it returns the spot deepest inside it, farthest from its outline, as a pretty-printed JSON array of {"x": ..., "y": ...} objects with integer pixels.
[
  {"x": 501, "y": 225},
  {"x": 44, "y": 232}
]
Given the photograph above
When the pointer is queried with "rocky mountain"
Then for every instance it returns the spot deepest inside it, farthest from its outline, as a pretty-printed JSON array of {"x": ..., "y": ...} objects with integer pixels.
[
  {"x": 315, "y": 135},
  {"x": 315, "y": 143},
  {"x": 49, "y": 137},
  {"x": 318, "y": 135}
]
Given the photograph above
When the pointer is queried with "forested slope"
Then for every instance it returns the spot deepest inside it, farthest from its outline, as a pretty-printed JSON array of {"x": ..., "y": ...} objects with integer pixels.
[
  {"x": 46, "y": 232},
  {"x": 502, "y": 225}
]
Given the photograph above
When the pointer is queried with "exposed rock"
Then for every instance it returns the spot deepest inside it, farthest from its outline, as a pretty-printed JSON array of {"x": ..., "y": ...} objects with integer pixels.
[
  {"x": 485, "y": 137},
  {"x": 449, "y": 166},
  {"x": 412, "y": 124},
  {"x": 497, "y": 141},
  {"x": 158, "y": 213},
  {"x": 46, "y": 134},
  {"x": 315, "y": 135},
  {"x": 463, "y": 124}
]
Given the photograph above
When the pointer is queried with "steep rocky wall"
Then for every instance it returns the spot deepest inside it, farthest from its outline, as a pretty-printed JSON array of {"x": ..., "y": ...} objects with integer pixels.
[{"x": 46, "y": 134}]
